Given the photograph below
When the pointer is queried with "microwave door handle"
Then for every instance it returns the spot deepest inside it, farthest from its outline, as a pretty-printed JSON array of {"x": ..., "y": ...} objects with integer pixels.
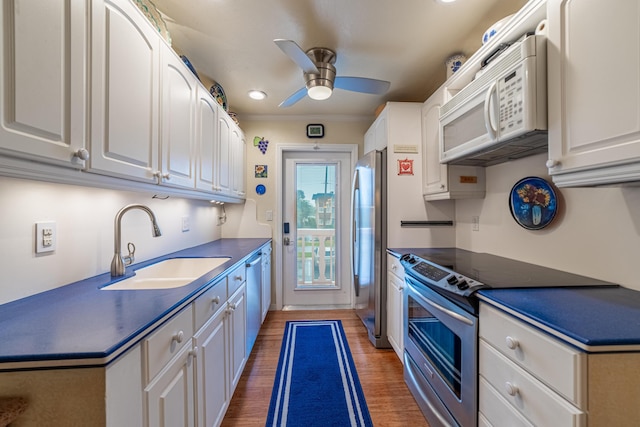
[{"x": 487, "y": 112}]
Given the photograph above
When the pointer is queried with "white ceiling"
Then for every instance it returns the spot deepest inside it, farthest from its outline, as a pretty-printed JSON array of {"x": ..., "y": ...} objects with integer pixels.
[{"x": 403, "y": 41}]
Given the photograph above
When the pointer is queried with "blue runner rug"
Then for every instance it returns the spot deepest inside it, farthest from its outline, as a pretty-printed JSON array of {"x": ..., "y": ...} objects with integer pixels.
[{"x": 316, "y": 382}]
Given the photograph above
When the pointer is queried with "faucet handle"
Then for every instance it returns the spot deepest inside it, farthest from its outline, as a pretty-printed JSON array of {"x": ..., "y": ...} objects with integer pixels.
[{"x": 128, "y": 260}]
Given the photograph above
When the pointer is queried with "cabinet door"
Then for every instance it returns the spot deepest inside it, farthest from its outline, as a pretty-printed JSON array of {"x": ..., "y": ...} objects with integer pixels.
[
  {"x": 179, "y": 87},
  {"x": 124, "y": 91},
  {"x": 206, "y": 140},
  {"x": 238, "y": 334},
  {"x": 434, "y": 173},
  {"x": 223, "y": 158},
  {"x": 43, "y": 65},
  {"x": 212, "y": 370},
  {"x": 238, "y": 161},
  {"x": 170, "y": 399},
  {"x": 594, "y": 106},
  {"x": 266, "y": 281},
  {"x": 394, "y": 314}
]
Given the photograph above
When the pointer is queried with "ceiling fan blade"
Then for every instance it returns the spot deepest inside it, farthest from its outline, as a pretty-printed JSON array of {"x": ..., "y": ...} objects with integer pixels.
[
  {"x": 301, "y": 93},
  {"x": 297, "y": 55},
  {"x": 362, "y": 84}
]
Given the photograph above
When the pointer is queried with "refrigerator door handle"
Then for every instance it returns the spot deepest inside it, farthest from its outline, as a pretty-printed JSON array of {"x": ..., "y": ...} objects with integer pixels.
[{"x": 354, "y": 233}]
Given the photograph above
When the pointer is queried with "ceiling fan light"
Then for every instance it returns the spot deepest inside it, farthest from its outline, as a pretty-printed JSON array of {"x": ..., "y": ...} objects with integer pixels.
[
  {"x": 319, "y": 93},
  {"x": 257, "y": 94}
]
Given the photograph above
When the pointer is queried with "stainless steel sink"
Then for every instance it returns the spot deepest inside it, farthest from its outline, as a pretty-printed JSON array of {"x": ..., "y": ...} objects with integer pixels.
[{"x": 170, "y": 273}]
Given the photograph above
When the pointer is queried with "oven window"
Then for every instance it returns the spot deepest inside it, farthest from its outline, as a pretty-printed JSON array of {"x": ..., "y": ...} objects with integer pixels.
[{"x": 437, "y": 343}]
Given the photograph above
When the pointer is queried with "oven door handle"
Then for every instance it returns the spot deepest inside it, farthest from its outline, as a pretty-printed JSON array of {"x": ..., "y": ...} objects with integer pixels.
[{"x": 437, "y": 306}]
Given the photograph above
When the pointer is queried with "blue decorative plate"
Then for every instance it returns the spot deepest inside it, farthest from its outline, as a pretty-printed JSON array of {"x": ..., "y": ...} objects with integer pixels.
[
  {"x": 189, "y": 65},
  {"x": 261, "y": 189},
  {"x": 218, "y": 94},
  {"x": 533, "y": 203}
]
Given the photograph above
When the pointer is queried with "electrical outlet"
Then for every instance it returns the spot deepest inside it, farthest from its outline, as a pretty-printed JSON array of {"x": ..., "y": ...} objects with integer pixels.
[
  {"x": 46, "y": 236},
  {"x": 185, "y": 223},
  {"x": 475, "y": 221}
]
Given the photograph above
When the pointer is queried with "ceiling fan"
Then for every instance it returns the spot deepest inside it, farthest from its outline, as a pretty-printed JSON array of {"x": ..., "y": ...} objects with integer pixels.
[{"x": 320, "y": 74}]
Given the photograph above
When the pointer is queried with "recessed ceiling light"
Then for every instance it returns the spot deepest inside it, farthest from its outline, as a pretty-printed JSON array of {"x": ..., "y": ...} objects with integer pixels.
[
  {"x": 257, "y": 94},
  {"x": 445, "y": 1}
]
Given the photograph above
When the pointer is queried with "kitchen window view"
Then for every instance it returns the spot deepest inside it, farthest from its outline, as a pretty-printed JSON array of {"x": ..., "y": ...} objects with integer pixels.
[{"x": 316, "y": 225}]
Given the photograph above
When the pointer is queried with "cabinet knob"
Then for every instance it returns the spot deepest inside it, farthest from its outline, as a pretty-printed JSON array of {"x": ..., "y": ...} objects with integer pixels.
[
  {"x": 394, "y": 267},
  {"x": 215, "y": 300},
  {"x": 238, "y": 278},
  {"x": 194, "y": 352},
  {"x": 179, "y": 337},
  {"x": 552, "y": 163},
  {"x": 512, "y": 343},
  {"x": 442, "y": 186},
  {"x": 82, "y": 154},
  {"x": 511, "y": 389}
]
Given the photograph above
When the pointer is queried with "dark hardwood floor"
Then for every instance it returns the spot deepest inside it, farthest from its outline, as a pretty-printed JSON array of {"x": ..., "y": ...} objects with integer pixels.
[{"x": 380, "y": 371}]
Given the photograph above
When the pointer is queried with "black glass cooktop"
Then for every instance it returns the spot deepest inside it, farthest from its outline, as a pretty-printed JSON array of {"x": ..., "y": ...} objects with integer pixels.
[{"x": 499, "y": 272}]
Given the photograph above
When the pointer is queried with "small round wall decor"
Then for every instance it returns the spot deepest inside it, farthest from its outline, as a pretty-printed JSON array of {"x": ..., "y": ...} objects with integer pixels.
[
  {"x": 533, "y": 203},
  {"x": 261, "y": 189}
]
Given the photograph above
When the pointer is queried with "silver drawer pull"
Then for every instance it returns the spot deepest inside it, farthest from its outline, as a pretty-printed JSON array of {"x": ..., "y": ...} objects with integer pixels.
[
  {"x": 511, "y": 389},
  {"x": 238, "y": 278},
  {"x": 179, "y": 337},
  {"x": 194, "y": 353},
  {"x": 215, "y": 300},
  {"x": 512, "y": 343}
]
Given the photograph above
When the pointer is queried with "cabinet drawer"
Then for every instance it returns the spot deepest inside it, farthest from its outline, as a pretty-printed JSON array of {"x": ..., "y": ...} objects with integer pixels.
[
  {"x": 561, "y": 367},
  {"x": 495, "y": 410},
  {"x": 207, "y": 304},
  {"x": 394, "y": 266},
  {"x": 236, "y": 278},
  {"x": 167, "y": 341},
  {"x": 537, "y": 402}
]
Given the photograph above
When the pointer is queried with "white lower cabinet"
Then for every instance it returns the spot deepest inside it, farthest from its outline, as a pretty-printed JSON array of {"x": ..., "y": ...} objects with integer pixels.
[
  {"x": 528, "y": 377},
  {"x": 213, "y": 388},
  {"x": 170, "y": 396},
  {"x": 395, "y": 305},
  {"x": 266, "y": 280},
  {"x": 238, "y": 334}
]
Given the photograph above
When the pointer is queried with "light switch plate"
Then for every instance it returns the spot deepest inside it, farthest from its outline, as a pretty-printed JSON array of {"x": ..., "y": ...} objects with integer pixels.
[
  {"x": 46, "y": 236},
  {"x": 185, "y": 223}
]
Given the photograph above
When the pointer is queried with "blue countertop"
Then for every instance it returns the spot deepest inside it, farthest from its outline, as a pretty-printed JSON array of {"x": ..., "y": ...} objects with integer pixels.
[
  {"x": 594, "y": 319},
  {"x": 80, "y": 322}
]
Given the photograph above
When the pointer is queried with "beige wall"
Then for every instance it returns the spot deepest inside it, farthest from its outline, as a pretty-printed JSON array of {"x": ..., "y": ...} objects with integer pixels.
[
  {"x": 84, "y": 218},
  {"x": 595, "y": 233}
]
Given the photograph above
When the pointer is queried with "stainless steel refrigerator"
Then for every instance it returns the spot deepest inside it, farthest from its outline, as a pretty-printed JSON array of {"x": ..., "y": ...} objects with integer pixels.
[{"x": 369, "y": 244}]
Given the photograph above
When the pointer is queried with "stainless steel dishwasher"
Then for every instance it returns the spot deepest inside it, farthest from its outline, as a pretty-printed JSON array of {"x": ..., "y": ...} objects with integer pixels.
[{"x": 254, "y": 312}]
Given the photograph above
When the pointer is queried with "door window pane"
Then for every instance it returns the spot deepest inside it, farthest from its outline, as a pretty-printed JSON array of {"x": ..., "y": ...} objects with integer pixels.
[{"x": 316, "y": 225}]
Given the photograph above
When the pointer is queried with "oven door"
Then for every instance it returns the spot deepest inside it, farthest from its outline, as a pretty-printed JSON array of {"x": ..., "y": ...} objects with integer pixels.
[{"x": 441, "y": 354}]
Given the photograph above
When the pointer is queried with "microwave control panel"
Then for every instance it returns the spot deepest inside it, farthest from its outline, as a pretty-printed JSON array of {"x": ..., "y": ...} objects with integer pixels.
[{"x": 511, "y": 94}]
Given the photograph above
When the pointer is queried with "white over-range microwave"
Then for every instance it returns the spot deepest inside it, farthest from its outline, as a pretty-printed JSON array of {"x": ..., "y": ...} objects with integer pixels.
[{"x": 502, "y": 114}]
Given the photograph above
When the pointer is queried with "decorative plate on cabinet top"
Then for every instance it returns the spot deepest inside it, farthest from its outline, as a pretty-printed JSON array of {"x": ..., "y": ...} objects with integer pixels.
[
  {"x": 153, "y": 15},
  {"x": 533, "y": 203},
  {"x": 189, "y": 65},
  {"x": 218, "y": 94}
]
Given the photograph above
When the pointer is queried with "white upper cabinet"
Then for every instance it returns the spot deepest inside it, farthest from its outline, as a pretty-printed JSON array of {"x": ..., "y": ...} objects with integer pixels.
[
  {"x": 442, "y": 181},
  {"x": 377, "y": 136},
  {"x": 179, "y": 89},
  {"x": 238, "y": 155},
  {"x": 124, "y": 92},
  {"x": 223, "y": 158},
  {"x": 594, "y": 92},
  {"x": 43, "y": 65},
  {"x": 206, "y": 139}
]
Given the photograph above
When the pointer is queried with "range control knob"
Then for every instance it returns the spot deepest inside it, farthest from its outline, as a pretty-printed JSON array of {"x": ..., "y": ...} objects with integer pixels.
[
  {"x": 452, "y": 280},
  {"x": 463, "y": 285}
]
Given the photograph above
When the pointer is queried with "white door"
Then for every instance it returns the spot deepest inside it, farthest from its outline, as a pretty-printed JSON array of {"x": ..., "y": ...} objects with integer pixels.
[{"x": 316, "y": 215}]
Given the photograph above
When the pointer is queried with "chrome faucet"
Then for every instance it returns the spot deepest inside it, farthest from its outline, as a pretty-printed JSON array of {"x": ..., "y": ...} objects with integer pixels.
[{"x": 119, "y": 263}]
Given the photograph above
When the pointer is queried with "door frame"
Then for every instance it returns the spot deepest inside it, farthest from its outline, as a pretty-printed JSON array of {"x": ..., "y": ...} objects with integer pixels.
[{"x": 277, "y": 234}]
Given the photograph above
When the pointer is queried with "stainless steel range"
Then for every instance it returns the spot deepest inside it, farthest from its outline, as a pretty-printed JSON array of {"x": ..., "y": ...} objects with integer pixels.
[{"x": 441, "y": 323}]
